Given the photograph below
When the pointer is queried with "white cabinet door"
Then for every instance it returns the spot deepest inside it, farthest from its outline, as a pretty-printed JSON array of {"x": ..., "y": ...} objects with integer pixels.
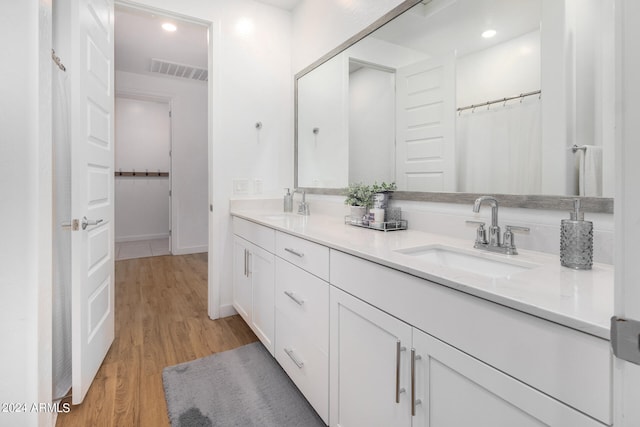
[
  {"x": 453, "y": 389},
  {"x": 254, "y": 287},
  {"x": 262, "y": 276},
  {"x": 241, "y": 279},
  {"x": 368, "y": 365}
]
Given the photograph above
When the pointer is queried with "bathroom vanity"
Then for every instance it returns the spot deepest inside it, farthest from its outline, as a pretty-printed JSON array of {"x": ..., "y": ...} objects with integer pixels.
[{"x": 376, "y": 331}]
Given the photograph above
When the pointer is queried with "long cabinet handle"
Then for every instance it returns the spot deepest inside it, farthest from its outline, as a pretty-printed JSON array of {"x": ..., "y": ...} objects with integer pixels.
[
  {"x": 414, "y": 401},
  {"x": 293, "y": 357},
  {"x": 245, "y": 263},
  {"x": 249, "y": 255},
  {"x": 399, "y": 349},
  {"x": 294, "y": 298},
  {"x": 293, "y": 251}
]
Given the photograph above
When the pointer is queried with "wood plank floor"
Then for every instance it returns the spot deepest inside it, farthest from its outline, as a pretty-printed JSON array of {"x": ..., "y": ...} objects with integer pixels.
[{"x": 161, "y": 320}]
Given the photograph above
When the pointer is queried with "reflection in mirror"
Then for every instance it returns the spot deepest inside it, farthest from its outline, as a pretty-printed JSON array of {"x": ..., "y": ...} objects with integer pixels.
[{"x": 467, "y": 96}]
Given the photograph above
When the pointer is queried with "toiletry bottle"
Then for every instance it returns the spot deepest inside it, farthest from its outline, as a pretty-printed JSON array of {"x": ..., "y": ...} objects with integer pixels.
[
  {"x": 576, "y": 240},
  {"x": 288, "y": 201}
]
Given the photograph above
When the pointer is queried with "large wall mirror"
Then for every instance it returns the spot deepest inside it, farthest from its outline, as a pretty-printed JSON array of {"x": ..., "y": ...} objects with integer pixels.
[{"x": 511, "y": 97}]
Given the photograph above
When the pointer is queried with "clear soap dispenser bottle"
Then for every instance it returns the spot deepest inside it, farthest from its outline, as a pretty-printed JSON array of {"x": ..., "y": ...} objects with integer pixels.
[
  {"x": 576, "y": 240},
  {"x": 288, "y": 201}
]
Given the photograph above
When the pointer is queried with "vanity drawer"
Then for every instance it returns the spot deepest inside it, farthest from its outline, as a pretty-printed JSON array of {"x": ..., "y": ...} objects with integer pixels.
[
  {"x": 257, "y": 234},
  {"x": 305, "y": 363},
  {"x": 571, "y": 366},
  {"x": 307, "y": 255},
  {"x": 304, "y": 299}
]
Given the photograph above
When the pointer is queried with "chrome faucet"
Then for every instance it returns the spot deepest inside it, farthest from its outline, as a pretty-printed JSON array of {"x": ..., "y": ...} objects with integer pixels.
[
  {"x": 494, "y": 230},
  {"x": 495, "y": 243},
  {"x": 303, "y": 206}
]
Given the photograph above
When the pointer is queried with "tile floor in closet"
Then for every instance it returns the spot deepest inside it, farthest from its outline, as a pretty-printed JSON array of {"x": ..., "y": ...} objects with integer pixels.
[{"x": 142, "y": 249}]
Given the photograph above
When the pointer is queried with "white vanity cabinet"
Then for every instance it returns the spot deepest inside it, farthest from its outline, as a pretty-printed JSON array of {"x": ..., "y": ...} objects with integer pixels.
[
  {"x": 369, "y": 345},
  {"x": 254, "y": 278},
  {"x": 385, "y": 372},
  {"x": 479, "y": 361},
  {"x": 302, "y": 317}
]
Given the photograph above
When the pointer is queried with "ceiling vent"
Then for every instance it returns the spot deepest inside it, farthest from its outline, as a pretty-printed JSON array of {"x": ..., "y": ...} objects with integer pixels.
[{"x": 179, "y": 70}]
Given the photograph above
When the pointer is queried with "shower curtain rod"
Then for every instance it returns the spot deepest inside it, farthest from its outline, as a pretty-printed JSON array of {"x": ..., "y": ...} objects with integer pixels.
[{"x": 497, "y": 101}]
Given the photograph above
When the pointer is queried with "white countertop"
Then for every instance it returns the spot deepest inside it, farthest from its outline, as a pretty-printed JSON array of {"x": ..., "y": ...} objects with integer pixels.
[{"x": 579, "y": 299}]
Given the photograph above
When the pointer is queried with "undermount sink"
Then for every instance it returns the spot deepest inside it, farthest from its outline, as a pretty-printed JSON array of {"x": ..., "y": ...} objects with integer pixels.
[{"x": 488, "y": 265}]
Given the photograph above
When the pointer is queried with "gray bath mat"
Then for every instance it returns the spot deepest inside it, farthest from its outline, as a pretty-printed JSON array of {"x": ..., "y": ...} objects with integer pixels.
[{"x": 242, "y": 387}]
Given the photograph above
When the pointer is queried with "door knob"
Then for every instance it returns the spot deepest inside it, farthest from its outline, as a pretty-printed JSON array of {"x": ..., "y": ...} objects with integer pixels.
[{"x": 86, "y": 222}]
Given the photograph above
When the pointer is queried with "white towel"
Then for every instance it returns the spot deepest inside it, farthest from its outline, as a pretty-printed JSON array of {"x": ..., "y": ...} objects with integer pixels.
[{"x": 590, "y": 171}]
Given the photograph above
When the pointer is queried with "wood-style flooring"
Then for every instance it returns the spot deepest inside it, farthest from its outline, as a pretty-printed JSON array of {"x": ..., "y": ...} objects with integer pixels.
[{"x": 161, "y": 320}]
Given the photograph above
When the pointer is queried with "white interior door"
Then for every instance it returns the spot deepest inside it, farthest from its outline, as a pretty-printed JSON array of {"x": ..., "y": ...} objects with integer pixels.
[
  {"x": 92, "y": 157},
  {"x": 425, "y": 129}
]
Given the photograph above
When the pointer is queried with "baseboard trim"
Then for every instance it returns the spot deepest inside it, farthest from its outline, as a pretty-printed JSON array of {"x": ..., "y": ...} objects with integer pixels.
[
  {"x": 191, "y": 250},
  {"x": 227, "y": 310},
  {"x": 123, "y": 239}
]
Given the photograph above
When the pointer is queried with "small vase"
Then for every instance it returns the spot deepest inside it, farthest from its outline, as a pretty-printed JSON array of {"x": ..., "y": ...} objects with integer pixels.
[
  {"x": 357, "y": 212},
  {"x": 381, "y": 200}
]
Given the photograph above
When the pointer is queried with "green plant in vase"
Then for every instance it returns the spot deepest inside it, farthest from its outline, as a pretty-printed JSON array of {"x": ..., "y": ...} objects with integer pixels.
[{"x": 359, "y": 198}]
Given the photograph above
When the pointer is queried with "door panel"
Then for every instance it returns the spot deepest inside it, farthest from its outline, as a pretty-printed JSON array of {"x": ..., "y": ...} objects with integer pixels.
[
  {"x": 425, "y": 150},
  {"x": 91, "y": 124},
  {"x": 363, "y": 363}
]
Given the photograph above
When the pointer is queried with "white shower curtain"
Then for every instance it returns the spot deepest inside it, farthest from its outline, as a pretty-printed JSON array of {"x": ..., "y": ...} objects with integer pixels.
[
  {"x": 61, "y": 238},
  {"x": 500, "y": 148}
]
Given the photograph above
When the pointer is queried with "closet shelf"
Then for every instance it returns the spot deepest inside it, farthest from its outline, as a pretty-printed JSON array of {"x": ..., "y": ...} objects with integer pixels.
[{"x": 144, "y": 174}]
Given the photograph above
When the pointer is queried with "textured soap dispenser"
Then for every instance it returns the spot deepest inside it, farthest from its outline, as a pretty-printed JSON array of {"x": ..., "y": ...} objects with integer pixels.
[{"x": 576, "y": 240}]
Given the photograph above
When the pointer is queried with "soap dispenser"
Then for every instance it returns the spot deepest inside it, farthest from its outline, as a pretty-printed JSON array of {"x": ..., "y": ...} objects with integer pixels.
[
  {"x": 576, "y": 240},
  {"x": 288, "y": 201}
]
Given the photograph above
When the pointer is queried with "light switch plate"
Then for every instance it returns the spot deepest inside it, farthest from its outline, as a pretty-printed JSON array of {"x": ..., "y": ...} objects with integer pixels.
[{"x": 240, "y": 186}]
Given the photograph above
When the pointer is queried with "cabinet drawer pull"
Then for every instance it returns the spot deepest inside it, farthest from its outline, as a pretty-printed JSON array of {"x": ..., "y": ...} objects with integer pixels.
[
  {"x": 294, "y": 298},
  {"x": 294, "y": 252},
  {"x": 399, "y": 349},
  {"x": 293, "y": 357}
]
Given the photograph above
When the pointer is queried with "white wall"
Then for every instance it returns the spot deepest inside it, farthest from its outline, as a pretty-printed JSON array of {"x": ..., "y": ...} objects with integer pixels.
[
  {"x": 189, "y": 170},
  {"x": 25, "y": 209},
  {"x": 143, "y": 141},
  {"x": 506, "y": 69},
  {"x": 323, "y": 157},
  {"x": 250, "y": 81}
]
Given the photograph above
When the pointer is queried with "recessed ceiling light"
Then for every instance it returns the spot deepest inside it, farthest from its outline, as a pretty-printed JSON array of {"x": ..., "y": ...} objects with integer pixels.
[
  {"x": 168, "y": 26},
  {"x": 488, "y": 34}
]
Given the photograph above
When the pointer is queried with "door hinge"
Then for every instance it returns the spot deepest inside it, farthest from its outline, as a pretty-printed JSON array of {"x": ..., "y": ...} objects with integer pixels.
[
  {"x": 169, "y": 193},
  {"x": 625, "y": 339},
  {"x": 169, "y": 113},
  {"x": 169, "y": 233}
]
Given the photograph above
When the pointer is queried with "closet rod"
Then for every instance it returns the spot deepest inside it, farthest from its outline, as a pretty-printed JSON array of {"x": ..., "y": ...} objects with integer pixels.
[
  {"x": 144, "y": 174},
  {"x": 497, "y": 101}
]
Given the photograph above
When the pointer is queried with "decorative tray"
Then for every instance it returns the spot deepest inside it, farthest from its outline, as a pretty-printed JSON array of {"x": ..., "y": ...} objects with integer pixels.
[{"x": 400, "y": 224}]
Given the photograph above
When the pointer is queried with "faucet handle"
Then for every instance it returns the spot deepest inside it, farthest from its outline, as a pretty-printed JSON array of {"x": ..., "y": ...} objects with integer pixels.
[
  {"x": 508, "y": 240},
  {"x": 481, "y": 232}
]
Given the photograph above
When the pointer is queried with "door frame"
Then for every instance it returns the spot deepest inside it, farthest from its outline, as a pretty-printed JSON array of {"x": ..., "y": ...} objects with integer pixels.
[
  {"x": 213, "y": 131},
  {"x": 626, "y": 376},
  {"x": 163, "y": 99}
]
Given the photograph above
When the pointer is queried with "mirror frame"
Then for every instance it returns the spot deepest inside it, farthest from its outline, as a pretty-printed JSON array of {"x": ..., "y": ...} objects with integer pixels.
[{"x": 546, "y": 202}]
